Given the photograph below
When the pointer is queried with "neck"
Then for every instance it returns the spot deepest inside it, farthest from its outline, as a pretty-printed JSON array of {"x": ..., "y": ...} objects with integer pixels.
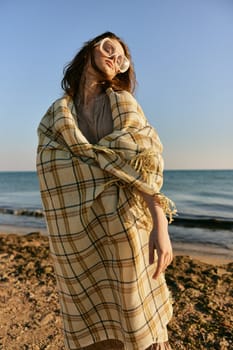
[{"x": 91, "y": 87}]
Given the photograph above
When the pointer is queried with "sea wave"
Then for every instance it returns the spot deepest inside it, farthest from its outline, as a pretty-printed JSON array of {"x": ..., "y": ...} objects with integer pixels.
[
  {"x": 203, "y": 221},
  {"x": 184, "y": 220},
  {"x": 22, "y": 212}
]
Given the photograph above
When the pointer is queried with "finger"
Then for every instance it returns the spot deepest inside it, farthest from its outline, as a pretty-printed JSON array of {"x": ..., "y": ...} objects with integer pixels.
[
  {"x": 163, "y": 262},
  {"x": 170, "y": 258},
  {"x": 159, "y": 268},
  {"x": 158, "y": 271}
]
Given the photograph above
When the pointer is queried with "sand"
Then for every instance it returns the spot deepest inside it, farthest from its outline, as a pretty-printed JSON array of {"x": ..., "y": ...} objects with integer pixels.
[{"x": 201, "y": 284}]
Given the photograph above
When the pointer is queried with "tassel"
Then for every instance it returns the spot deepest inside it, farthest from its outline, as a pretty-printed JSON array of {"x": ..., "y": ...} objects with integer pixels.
[
  {"x": 145, "y": 163},
  {"x": 167, "y": 205}
]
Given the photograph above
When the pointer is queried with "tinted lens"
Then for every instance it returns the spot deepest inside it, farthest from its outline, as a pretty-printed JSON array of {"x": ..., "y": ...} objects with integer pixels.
[
  {"x": 120, "y": 60},
  {"x": 108, "y": 47},
  {"x": 125, "y": 65}
]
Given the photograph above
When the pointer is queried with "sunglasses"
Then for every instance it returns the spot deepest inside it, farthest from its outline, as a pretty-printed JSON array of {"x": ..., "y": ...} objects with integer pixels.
[{"x": 108, "y": 49}]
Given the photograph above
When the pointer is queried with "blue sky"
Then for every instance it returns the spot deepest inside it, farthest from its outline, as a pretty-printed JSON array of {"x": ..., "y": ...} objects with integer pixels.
[{"x": 183, "y": 56}]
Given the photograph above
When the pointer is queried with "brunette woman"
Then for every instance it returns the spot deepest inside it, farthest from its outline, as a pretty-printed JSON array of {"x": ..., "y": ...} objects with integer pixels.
[{"x": 100, "y": 170}]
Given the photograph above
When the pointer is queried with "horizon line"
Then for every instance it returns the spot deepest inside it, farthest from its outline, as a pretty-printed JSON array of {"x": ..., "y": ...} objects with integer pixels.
[{"x": 166, "y": 169}]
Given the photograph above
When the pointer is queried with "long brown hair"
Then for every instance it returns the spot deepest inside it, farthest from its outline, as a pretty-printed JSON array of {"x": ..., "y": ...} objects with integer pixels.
[{"x": 73, "y": 71}]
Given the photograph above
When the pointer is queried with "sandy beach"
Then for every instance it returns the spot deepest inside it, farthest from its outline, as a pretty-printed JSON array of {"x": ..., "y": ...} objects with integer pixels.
[{"x": 200, "y": 282}]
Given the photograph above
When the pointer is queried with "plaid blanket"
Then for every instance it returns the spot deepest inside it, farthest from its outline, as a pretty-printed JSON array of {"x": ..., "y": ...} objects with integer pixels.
[{"x": 98, "y": 224}]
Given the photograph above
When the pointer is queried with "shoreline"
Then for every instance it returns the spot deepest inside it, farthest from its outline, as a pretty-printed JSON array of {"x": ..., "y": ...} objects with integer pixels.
[
  {"x": 209, "y": 254},
  {"x": 205, "y": 253}
]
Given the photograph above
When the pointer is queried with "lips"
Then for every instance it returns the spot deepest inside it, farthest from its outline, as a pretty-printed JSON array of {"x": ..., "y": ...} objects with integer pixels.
[{"x": 109, "y": 63}]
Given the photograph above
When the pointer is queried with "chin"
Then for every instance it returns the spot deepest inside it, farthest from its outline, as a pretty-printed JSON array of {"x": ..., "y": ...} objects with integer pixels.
[
  {"x": 109, "y": 75},
  {"x": 108, "y": 72}
]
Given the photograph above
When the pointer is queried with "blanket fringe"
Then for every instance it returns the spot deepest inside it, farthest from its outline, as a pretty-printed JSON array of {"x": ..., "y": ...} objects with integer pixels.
[
  {"x": 167, "y": 205},
  {"x": 145, "y": 163}
]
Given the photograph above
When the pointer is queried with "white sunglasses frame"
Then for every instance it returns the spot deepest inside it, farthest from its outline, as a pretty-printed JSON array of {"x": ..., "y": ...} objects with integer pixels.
[{"x": 126, "y": 60}]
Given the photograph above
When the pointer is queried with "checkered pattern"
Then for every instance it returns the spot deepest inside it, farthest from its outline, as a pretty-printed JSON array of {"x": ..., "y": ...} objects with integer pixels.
[{"x": 98, "y": 228}]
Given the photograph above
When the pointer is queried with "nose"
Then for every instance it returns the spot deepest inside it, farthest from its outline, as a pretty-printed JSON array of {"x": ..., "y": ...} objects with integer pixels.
[{"x": 113, "y": 57}]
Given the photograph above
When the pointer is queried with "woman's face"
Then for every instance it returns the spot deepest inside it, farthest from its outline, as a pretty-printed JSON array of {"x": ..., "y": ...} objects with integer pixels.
[{"x": 107, "y": 63}]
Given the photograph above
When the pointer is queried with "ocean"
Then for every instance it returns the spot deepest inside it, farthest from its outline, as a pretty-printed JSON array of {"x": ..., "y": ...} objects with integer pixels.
[{"x": 204, "y": 199}]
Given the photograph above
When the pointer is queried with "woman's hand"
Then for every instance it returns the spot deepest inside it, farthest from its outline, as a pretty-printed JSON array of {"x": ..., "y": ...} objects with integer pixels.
[{"x": 159, "y": 239}]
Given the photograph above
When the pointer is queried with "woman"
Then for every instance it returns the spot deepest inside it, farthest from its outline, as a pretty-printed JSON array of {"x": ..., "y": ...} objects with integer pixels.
[{"x": 100, "y": 170}]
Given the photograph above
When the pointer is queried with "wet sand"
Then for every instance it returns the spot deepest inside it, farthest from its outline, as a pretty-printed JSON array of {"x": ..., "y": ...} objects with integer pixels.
[{"x": 200, "y": 281}]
